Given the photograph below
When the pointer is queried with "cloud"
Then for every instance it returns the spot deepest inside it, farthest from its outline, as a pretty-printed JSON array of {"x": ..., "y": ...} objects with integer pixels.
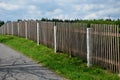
[
  {"x": 91, "y": 16},
  {"x": 32, "y": 9},
  {"x": 33, "y": 12},
  {"x": 7, "y": 6},
  {"x": 88, "y": 7},
  {"x": 62, "y": 9}
]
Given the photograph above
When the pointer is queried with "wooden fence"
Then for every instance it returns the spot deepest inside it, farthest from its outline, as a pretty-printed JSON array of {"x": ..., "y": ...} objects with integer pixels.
[
  {"x": 71, "y": 38},
  {"x": 106, "y": 46},
  {"x": 46, "y": 33}
]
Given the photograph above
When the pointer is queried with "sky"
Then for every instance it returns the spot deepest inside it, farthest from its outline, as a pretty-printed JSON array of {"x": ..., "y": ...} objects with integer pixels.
[{"x": 11, "y": 10}]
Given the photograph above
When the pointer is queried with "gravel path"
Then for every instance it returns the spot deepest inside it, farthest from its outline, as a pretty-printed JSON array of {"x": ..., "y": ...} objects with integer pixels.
[{"x": 15, "y": 66}]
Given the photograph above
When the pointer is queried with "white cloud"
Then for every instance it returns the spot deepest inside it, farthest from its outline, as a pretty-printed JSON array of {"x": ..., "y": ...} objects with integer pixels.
[
  {"x": 7, "y": 6},
  {"x": 61, "y": 16},
  {"x": 83, "y": 7},
  {"x": 103, "y": 13},
  {"x": 91, "y": 16},
  {"x": 62, "y": 9},
  {"x": 33, "y": 12},
  {"x": 66, "y": 2},
  {"x": 42, "y": 1},
  {"x": 32, "y": 9},
  {"x": 54, "y": 12},
  {"x": 88, "y": 7},
  {"x": 57, "y": 11}
]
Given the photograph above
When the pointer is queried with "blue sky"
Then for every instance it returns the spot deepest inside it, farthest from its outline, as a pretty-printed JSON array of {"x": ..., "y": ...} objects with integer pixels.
[{"x": 61, "y": 9}]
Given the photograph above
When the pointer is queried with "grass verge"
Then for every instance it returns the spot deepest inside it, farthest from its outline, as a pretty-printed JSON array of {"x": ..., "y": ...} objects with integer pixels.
[{"x": 70, "y": 68}]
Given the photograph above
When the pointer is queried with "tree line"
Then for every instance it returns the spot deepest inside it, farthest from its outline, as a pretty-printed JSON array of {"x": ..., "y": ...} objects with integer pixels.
[
  {"x": 94, "y": 21},
  {"x": 98, "y": 21},
  {"x": 1, "y": 23}
]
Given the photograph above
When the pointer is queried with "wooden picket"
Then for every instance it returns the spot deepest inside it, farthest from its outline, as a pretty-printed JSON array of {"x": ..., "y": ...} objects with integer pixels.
[
  {"x": 71, "y": 38},
  {"x": 105, "y": 46}
]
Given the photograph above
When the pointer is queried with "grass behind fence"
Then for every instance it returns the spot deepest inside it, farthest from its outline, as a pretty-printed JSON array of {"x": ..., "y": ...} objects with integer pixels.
[{"x": 70, "y": 68}]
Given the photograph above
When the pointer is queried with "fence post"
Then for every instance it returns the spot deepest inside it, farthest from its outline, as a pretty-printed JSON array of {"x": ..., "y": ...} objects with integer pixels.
[
  {"x": 18, "y": 28},
  {"x": 25, "y": 29},
  {"x": 89, "y": 47},
  {"x": 55, "y": 39},
  {"x": 38, "y": 33},
  {"x": 7, "y": 29},
  {"x": 12, "y": 27},
  {"x": 2, "y": 30}
]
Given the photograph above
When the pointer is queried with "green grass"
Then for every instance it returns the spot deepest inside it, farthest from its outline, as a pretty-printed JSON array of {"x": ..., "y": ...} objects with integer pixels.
[{"x": 70, "y": 68}]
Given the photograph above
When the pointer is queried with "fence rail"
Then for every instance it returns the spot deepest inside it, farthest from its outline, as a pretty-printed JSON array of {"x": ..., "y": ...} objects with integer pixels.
[{"x": 71, "y": 38}]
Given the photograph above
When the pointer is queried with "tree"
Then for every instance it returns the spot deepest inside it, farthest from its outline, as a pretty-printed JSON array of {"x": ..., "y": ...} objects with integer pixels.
[{"x": 1, "y": 23}]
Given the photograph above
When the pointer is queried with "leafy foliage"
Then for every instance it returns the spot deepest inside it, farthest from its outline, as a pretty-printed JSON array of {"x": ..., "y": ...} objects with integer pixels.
[{"x": 1, "y": 23}]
